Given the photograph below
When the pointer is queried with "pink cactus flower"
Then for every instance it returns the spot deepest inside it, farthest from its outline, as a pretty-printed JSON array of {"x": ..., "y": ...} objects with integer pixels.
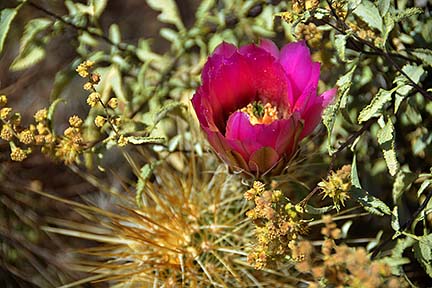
[{"x": 256, "y": 103}]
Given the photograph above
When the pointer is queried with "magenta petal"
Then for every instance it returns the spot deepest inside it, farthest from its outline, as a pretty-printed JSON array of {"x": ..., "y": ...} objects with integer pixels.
[
  {"x": 270, "y": 47},
  {"x": 297, "y": 62},
  {"x": 312, "y": 113},
  {"x": 229, "y": 88},
  {"x": 328, "y": 96},
  {"x": 241, "y": 134},
  {"x": 271, "y": 82}
]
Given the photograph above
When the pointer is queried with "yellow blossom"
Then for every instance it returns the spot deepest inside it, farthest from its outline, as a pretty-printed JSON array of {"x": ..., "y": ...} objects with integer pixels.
[
  {"x": 99, "y": 121},
  {"x": 93, "y": 99},
  {"x": 3, "y": 100},
  {"x": 113, "y": 103},
  {"x": 122, "y": 141},
  {"x": 26, "y": 137},
  {"x": 41, "y": 115},
  {"x": 83, "y": 68},
  {"x": 5, "y": 113},
  {"x": 18, "y": 154},
  {"x": 6, "y": 132},
  {"x": 75, "y": 121},
  {"x": 88, "y": 86}
]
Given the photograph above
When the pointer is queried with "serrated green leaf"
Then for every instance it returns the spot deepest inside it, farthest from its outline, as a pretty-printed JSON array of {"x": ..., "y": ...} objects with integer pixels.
[
  {"x": 423, "y": 54},
  {"x": 318, "y": 210},
  {"x": 423, "y": 252},
  {"x": 139, "y": 140},
  {"x": 396, "y": 260},
  {"x": 329, "y": 114},
  {"x": 145, "y": 173},
  {"x": 375, "y": 107},
  {"x": 395, "y": 221},
  {"x": 29, "y": 57},
  {"x": 370, "y": 203},
  {"x": 403, "y": 86},
  {"x": 402, "y": 183},
  {"x": 31, "y": 30},
  {"x": 169, "y": 12},
  {"x": 408, "y": 12},
  {"x": 383, "y": 7},
  {"x": 386, "y": 138},
  {"x": 369, "y": 13},
  {"x": 6, "y": 18},
  {"x": 340, "y": 44}
]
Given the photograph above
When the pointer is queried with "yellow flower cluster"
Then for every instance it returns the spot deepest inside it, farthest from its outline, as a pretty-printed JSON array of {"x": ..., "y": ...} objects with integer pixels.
[
  {"x": 280, "y": 225},
  {"x": 337, "y": 186}
]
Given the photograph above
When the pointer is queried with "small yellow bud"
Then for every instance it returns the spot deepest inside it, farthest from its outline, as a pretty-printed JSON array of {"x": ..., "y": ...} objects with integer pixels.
[
  {"x": 5, "y": 113},
  {"x": 39, "y": 139},
  {"x": 18, "y": 154},
  {"x": 99, "y": 121},
  {"x": 26, "y": 137},
  {"x": 49, "y": 138},
  {"x": 70, "y": 132},
  {"x": 95, "y": 78},
  {"x": 6, "y": 132},
  {"x": 88, "y": 86},
  {"x": 3, "y": 100},
  {"x": 93, "y": 99},
  {"x": 89, "y": 63},
  {"x": 75, "y": 121},
  {"x": 122, "y": 141},
  {"x": 113, "y": 103},
  {"x": 41, "y": 115}
]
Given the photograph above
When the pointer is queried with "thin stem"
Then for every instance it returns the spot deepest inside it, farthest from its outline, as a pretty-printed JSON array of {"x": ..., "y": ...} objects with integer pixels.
[{"x": 120, "y": 46}]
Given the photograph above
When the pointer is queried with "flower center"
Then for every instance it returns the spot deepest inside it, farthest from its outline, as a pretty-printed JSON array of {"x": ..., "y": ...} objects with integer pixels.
[{"x": 260, "y": 113}]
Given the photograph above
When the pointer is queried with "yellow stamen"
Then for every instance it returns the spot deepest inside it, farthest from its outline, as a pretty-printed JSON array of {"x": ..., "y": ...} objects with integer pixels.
[{"x": 260, "y": 113}]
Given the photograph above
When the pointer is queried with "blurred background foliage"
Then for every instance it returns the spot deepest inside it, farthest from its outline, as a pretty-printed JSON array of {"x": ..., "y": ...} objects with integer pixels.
[{"x": 140, "y": 65}]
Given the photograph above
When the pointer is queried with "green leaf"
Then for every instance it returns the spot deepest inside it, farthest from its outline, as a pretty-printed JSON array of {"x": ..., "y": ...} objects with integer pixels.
[
  {"x": 375, "y": 107},
  {"x": 403, "y": 85},
  {"x": 369, "y": 13},
  {"x": 423, "y": 54},
  {"x": 402, "y": 183},
  {"x": 31, "y": 31},
  {"x": 31, "y": 52},
  {"x": 386, "y": 138},
  {"x": 98, "y": 7},
  {"x": 29, "y": 57},
  {"x": 370, "y": 203},
  {"x": 6, "y": 18},
  {"x": 396, "y": 260},
  {"x": 114, "y": 33},
  {"x": 51, "y": 110},
  {"x": 145, "y": 174},
  {"x": 204, "y": 8},
  {"x": 340, "y": 43},
  {"x": 169, "y": 12},
  {"x": 423, "y": 252},
  {"x": 329, "y": 114},
  {"x": 139, "y": 140},
  {"x": 408, "y": 12},
  {"x": 383, "y": 7}
]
